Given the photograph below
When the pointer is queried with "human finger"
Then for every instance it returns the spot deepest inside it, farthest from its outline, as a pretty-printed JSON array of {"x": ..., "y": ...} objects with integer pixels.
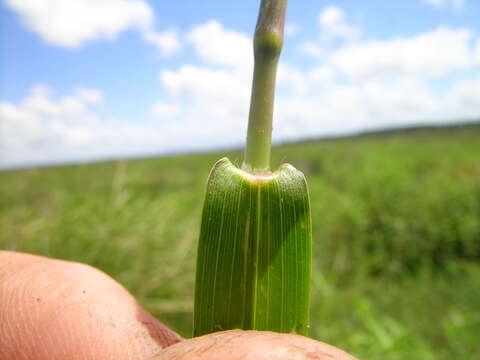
[
  {"x": 53, "y": 309},
  {"x": 252, "y": 345}
]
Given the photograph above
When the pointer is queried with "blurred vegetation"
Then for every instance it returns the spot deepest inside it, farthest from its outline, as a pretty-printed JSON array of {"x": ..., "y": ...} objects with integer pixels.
[{"x": 396, "y": 223}]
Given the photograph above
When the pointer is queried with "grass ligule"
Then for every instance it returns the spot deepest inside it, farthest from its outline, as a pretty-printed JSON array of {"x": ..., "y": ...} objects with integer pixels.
[{"x": 254, "y": 253}]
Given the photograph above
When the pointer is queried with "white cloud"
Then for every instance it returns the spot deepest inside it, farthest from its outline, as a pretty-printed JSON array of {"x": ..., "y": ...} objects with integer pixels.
[
  {"x": 44, "y": 128},
  {"x": 168, "y": 41},
  {"x": 430, "y": 54},
  {"x": 386, "y": 85},
  {"x": 300, "y": 82},
  {"x": 292, "y": 29},
  {"x": 89, "y": 95},
  {"x": 437, "y": 3},
  {"x": 217, "y": 46},
  {"x": 41, "y": 127},
  {"x": 215, "y": 95},
  {"x": 477, "y": 53},
  {"x": 168, "y": 110},
  {"x": 360, "y": 86},
  {"x": 72, "y": 24},
  {"x": 215, "y": 102},
  {"x": 206, "y": 106},
  {"x": 466, "y": 95},
  {"x": 333, "y": 25},
  {"x": 312, "y": 48},
  {"x": 457, "y": 5},
  {"x": 348, "y": 108},
  {"x": 321, "y": 74},
  {"x": 292, "y": 78},
  {"x": 201, "y": 82}
]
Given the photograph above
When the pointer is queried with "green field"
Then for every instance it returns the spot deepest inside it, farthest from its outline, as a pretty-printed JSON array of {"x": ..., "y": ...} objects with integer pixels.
[{"x": 396, "y": 226}]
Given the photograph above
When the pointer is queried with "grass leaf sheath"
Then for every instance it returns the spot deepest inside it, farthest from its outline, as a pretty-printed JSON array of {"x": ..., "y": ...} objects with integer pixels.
[{"x": 254, "y": 256}]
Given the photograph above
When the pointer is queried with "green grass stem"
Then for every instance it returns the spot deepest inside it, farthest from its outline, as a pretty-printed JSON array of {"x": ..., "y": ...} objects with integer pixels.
[{"x": 268, "y": 41}]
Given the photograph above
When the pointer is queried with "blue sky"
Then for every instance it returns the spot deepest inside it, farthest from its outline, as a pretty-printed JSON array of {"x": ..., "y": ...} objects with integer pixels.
[{"x": 92, "y": 79}]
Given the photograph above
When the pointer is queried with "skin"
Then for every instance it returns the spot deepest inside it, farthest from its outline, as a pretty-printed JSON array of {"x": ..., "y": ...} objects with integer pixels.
[
  {"x": 252, "y": 345},
  {"x": 53, "y": 309}
]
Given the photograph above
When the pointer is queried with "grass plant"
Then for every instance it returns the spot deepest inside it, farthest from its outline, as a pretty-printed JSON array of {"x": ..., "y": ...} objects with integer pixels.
[{"x": 254, "y": 253}]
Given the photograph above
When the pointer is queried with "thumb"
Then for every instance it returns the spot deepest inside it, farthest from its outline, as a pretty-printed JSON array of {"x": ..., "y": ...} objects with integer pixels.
[
  {"x": 252, "y": 345},
  {"x": 52, "y": 309}
]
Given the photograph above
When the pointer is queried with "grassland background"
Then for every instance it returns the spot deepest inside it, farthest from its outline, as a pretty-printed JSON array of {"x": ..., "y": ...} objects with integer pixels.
[{"x": 396, "y": 224}]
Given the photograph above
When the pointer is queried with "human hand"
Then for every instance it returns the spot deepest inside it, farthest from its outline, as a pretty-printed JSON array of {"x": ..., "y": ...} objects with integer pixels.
[{"x": 53, "y": 309}]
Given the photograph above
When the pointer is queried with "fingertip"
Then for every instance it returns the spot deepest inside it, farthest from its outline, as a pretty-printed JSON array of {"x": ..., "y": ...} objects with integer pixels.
[{"x": 252, "y": 345}]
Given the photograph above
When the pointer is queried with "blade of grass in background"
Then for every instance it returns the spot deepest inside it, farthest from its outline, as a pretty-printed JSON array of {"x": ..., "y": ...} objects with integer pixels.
[{"x": 254, "y": 253}]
